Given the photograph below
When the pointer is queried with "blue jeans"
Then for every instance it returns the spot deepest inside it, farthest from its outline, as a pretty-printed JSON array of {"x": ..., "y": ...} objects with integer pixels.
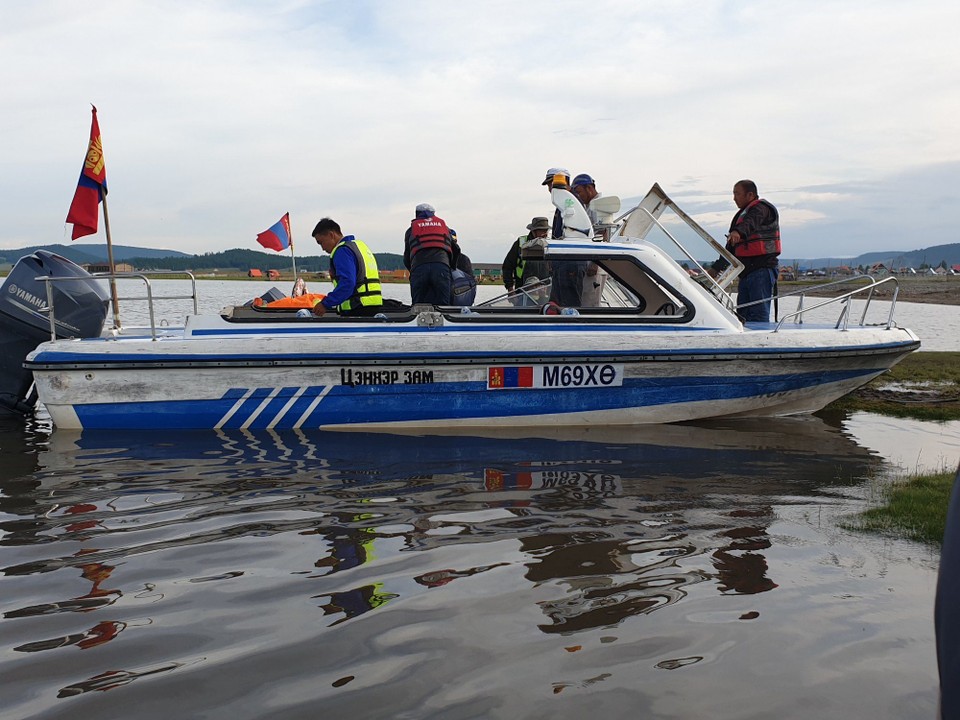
[
  {"x": 758, "y": 285},
  {"x": 430, "y": 283}
]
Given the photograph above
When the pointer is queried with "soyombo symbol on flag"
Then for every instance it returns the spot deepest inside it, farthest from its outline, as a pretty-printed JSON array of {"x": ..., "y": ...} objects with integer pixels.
[
  {"x": 278, "y": 237},
  {"x": 91, "y": 188},
  {"x": 509, "y": 377}
]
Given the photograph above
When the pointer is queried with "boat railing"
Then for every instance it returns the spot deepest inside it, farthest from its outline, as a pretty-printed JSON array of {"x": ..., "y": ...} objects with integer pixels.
[
  {"x": 845, "y": 299},
  {"x": 149, "y": 297},
  {"x": 531, "y": 295}
]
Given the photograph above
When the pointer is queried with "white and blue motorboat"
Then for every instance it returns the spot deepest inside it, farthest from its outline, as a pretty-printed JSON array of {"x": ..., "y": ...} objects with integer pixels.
[{"x": 663, "y": 344}]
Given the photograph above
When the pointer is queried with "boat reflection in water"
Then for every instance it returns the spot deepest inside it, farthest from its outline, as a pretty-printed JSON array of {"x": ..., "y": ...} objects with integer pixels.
[
  {"x": 566, "y": 532},
  {"x": 607, "y": 511}
]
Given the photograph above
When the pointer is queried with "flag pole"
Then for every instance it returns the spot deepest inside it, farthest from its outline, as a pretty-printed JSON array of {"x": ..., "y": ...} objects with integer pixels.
[
  {"x": 293, "y": 258},
  {"x": 113, "y": 268}
]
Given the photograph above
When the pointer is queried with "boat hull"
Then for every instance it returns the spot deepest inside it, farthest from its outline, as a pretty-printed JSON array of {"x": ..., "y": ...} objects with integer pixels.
[{"x": 438, "y": 381}]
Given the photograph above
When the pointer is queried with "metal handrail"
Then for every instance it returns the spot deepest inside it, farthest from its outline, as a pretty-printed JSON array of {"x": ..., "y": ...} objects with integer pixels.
[
  {"x": 844, "y": 299},
  {"x": 803, "y": 291},
  {"x": 524, "y": 291},
  {"x": 149, "y": 297}
]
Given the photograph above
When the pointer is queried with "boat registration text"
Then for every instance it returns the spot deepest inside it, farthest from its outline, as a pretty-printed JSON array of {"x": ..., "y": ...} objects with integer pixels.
[{"x": 555, "y": 376}]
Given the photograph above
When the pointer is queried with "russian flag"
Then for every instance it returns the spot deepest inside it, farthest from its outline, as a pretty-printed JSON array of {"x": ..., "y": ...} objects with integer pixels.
[{"x": 278, "y": 237}]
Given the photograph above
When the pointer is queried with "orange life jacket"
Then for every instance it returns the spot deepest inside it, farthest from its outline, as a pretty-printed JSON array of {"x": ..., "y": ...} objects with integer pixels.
[{"x": 307, "y": 300}]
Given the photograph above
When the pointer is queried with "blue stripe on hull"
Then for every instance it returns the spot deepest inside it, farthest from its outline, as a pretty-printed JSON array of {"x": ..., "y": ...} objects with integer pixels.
[
  {"x": 50, "y": 360},
  {"x": 444, "y": 401}
]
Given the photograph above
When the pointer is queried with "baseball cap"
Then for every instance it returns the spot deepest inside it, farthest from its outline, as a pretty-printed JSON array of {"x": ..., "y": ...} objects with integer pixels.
[
  {"x": 555, "y": 171},
  {"x": 582, "y": 179}
]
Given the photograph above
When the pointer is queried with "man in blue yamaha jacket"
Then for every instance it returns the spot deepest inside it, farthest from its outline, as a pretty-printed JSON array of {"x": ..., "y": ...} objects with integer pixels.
[{"x": 353, "y": 270}]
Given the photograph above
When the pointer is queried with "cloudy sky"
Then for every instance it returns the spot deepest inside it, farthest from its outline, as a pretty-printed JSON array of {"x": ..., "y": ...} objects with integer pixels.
[{"x": 218, "y": 116}]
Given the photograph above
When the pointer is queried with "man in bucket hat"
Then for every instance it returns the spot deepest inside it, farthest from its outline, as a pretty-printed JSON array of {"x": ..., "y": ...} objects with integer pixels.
[{"x": 518, "y": 271}]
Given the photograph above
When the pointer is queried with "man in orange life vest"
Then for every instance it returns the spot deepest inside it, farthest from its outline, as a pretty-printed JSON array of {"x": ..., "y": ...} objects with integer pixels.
[
  {"x": 754, "y": 238},
  {"x": 428, "y": 253}
]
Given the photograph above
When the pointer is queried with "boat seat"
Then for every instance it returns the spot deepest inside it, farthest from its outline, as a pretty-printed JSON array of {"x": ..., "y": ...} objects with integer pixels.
[{"x": 250, "y": 314}]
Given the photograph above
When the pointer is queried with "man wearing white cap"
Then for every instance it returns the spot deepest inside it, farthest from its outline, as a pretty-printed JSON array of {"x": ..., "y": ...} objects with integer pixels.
[
  {"x": 428, "y": 250},
  {"x": 557, "y": 231},
  {"x": 566, "y": 276}
]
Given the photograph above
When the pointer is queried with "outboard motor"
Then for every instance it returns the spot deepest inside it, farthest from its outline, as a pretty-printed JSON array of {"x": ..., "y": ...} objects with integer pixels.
[{"x": 80, "y": 309}]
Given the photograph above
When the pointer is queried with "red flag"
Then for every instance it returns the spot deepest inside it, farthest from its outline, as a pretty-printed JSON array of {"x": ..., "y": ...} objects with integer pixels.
[
  {"x": 91, "y": 188},
  {"x": 278, "y": 236}
]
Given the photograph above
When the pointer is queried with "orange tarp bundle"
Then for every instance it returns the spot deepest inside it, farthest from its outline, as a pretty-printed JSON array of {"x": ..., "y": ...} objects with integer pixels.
[{"x": 307, "y": 300}]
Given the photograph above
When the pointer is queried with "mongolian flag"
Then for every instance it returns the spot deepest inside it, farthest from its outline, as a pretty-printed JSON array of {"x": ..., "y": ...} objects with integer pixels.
[
  {"x": 278, "y": 236},
  {"x": 92, "y": 187}
]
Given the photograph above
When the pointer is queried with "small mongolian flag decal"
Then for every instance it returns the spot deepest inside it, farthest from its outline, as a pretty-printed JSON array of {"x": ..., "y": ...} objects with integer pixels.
[{"x": 499, "y": 378}]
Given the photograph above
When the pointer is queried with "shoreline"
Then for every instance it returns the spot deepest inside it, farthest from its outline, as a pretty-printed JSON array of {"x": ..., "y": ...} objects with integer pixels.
[
  {"x": 925, "y": 289},
  {"x": 925, "y": 385}
]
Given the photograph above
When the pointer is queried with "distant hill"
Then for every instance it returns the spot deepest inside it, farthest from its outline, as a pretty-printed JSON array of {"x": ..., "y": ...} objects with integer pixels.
[
  {"x": 931, "y": 256},
  {"x": 82, "y": 253},
  {"x": 147, "y": 259}
]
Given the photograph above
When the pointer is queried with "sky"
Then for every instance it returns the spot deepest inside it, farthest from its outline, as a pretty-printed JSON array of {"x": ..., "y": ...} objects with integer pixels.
[{"x": 218, "y": 116}]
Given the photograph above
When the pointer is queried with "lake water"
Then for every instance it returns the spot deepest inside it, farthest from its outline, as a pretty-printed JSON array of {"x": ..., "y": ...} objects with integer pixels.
[{"x": 662, "y": 572}]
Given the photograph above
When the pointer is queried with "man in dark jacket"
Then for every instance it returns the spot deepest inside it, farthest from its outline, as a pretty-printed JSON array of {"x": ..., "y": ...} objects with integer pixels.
[
  {"x": 428, "y": 253},
  {"x": 754, "y": 238},
  {"x": 517, "y": 271}
]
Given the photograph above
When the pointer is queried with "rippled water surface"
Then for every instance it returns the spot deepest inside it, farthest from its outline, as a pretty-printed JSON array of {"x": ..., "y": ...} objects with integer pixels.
[{"x": 667, "y": 572}]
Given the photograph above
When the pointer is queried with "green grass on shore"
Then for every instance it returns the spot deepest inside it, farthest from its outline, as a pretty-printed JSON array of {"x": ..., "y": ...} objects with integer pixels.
[
  {"x": 923, "y": 386},
  {"x": 914, "y": 507}
]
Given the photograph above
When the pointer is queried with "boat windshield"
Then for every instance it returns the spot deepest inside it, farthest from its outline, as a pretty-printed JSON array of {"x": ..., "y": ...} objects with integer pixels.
[{"x": 609, "y": 283}]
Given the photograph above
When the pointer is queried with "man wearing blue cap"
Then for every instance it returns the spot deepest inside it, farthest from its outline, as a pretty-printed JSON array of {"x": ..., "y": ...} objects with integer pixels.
[
  {"x": 428, "y": 253},
  {"x": 585, "y": 190}
]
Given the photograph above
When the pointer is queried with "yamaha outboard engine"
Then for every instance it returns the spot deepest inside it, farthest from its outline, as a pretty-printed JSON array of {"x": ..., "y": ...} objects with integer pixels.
[{"x": 80, "y": 309}]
